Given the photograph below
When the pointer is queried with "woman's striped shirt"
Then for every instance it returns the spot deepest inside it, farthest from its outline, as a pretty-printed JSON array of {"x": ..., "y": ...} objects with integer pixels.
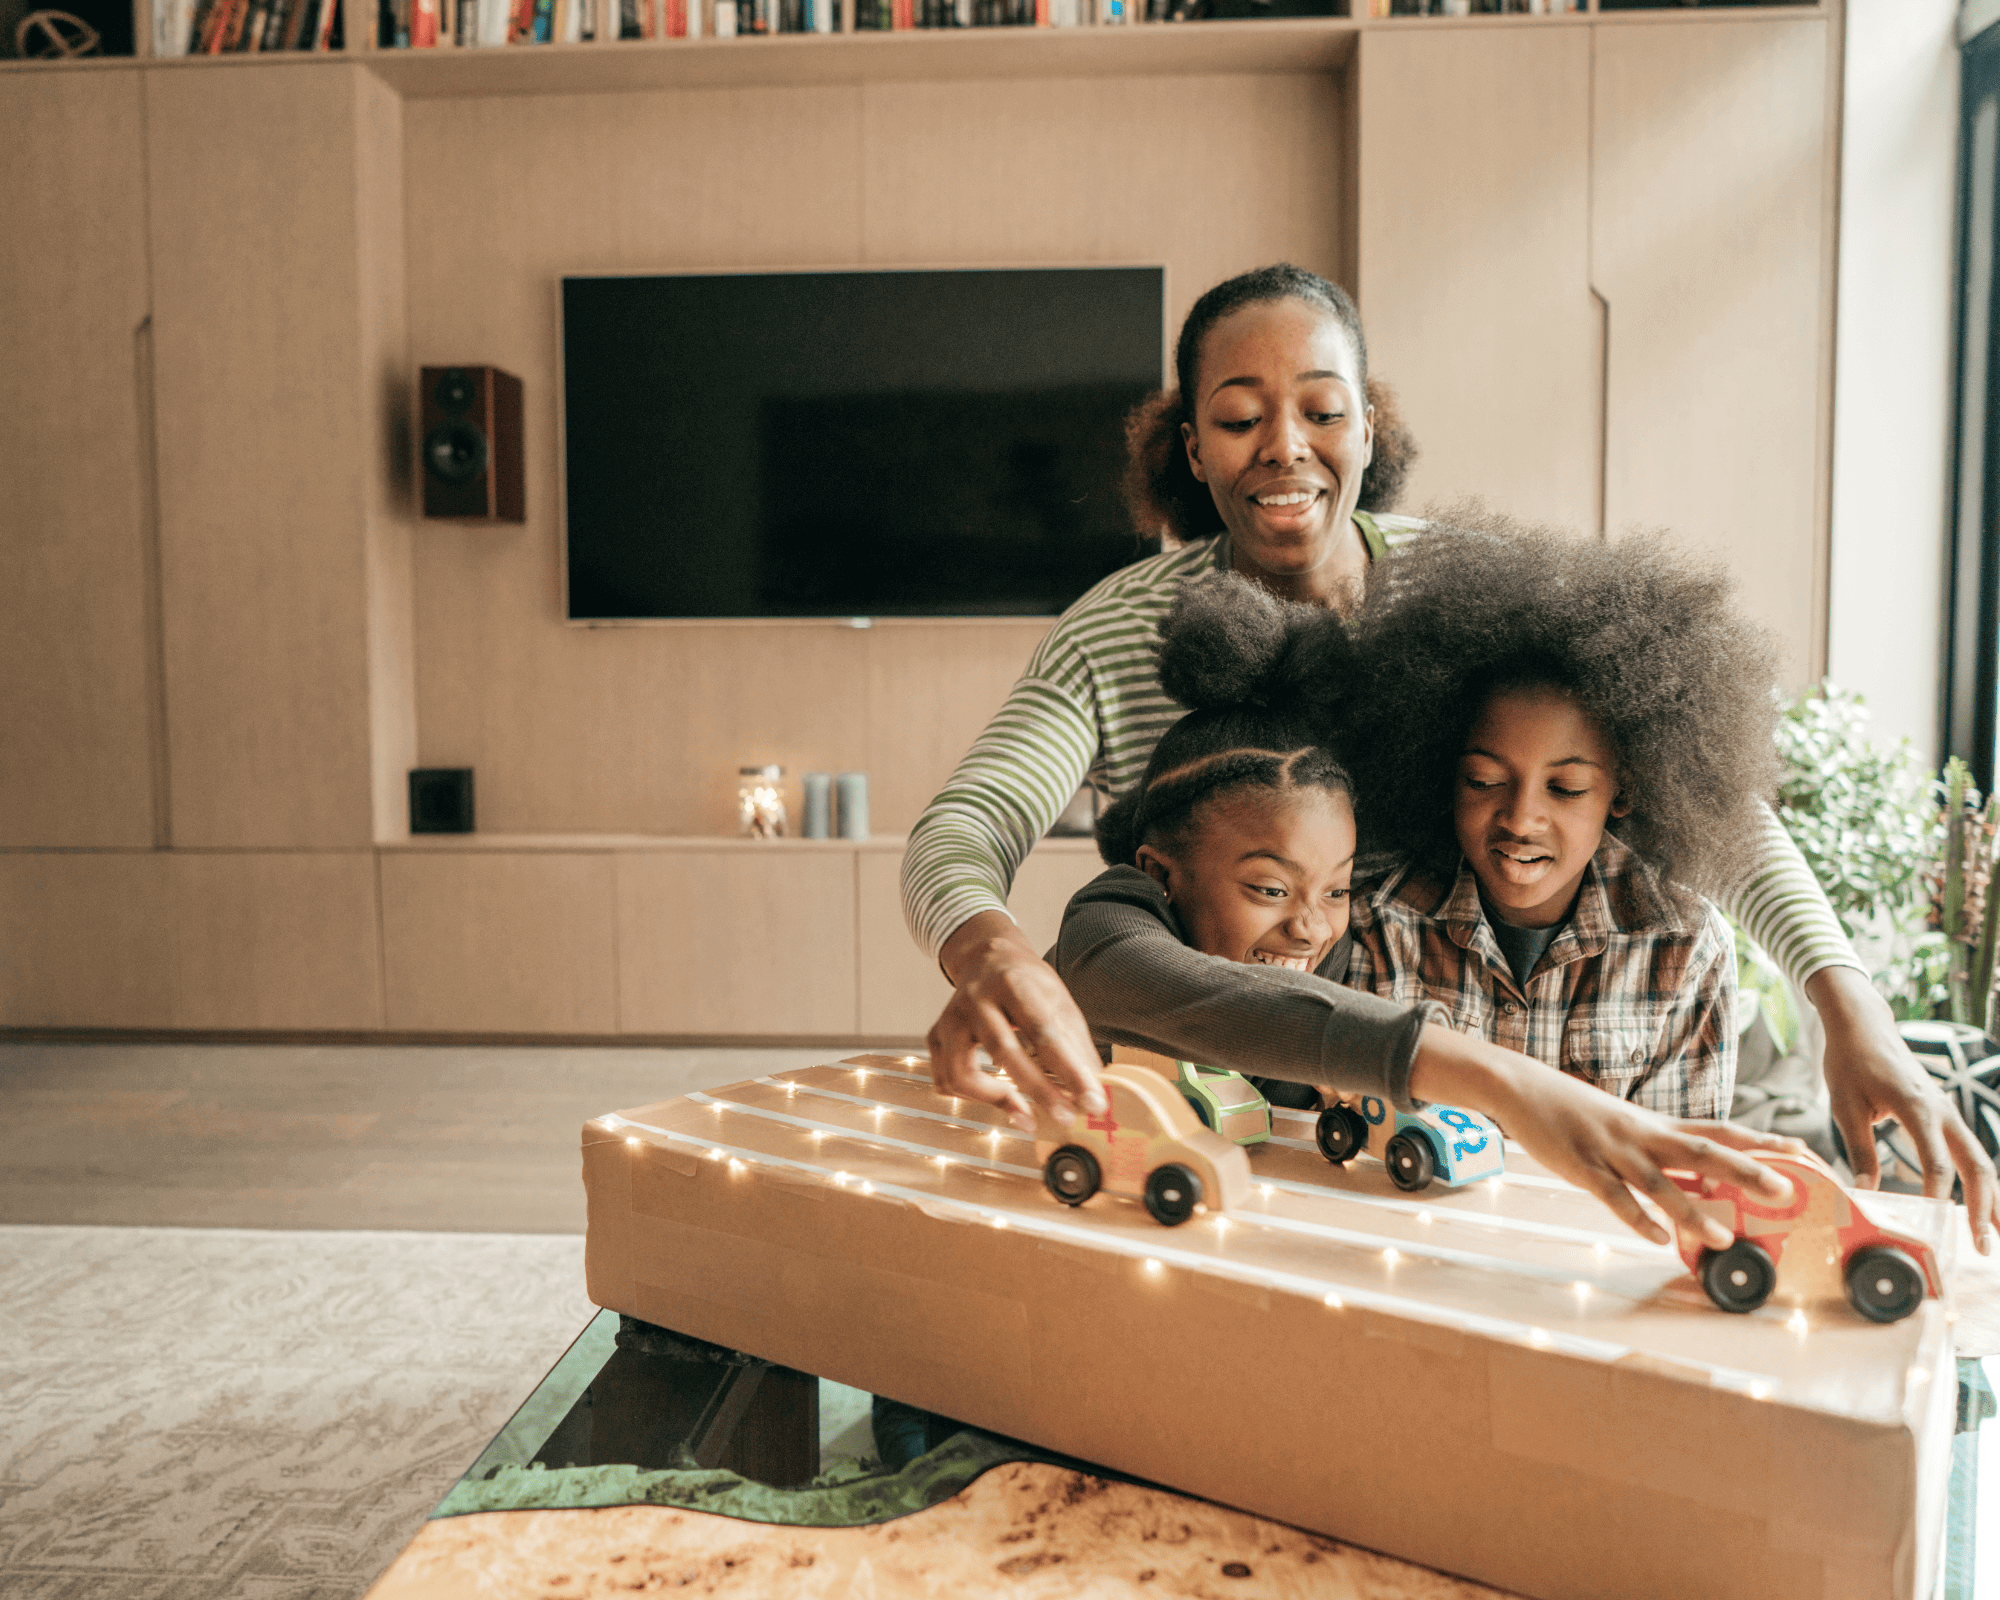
[{"x": 1089, "y": 707}]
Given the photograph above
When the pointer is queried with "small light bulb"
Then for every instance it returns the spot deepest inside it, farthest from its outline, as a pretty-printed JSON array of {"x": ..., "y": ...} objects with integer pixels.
[
  {"x": 867, "y": 1187},
  {"x": 1760, "y": 1391},
  {"x": 909, "y": 1061},
  {"x": 1920, "y": 1375},
  {"x": 861, "y": 1074},
  {"x": 1796, "y": 1323},
  {"x": 1266, "y": 1190},
  {"x": 1332, "y": 1302},
  {"x": 1221, "y": 1224},
  {"x": 1391, "y": 1255},
  {"x": 735, "y": 1165},
  {"x": 1602, "y": 1249},
  {"x": 1423, "y": 1216},
  {"x": 943, "y": 1162},
  {"x": 631, "y": 1138},
  {"x": 1582, "y": 1292},
  {"x": 999, "y": 1222},
  {"x": 818, "y": 1134},
  {"x": 1538, "y": 1337},
  {"x": 715, "y": 1154},
  {"x": 841, "y": 1178},
  {"x": 790, "y": 1090},
  {"x": 1153, "y": 1265},
  {"x": 880, "y": 1113}
]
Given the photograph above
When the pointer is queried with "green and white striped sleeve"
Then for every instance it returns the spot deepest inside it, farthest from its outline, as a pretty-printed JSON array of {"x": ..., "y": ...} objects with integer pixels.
[
  {"x": 1013, "y": 783},
  {"x": 1780, "y": 904},
  {"x": 1089, "y": 704}
]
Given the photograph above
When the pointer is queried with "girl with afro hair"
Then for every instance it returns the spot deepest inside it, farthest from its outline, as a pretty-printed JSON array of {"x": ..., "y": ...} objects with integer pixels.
[{"x": 1563, "y": 741}]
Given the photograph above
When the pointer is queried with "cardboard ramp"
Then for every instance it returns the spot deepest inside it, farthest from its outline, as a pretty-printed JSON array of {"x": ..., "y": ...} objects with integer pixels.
[{"x": 1499, "y": 1381}]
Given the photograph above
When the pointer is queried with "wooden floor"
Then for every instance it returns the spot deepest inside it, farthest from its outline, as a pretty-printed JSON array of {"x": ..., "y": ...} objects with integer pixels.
[{"x": 473, "y": 1138}]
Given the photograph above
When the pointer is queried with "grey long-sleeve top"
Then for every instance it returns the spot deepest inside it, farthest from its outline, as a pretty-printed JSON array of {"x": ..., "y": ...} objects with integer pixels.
[{"x": 1124, "y": 957}]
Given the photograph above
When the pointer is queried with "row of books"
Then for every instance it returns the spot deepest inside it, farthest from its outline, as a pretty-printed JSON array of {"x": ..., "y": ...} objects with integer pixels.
[
  {"x": 215, "y": 27},
  {"x": 219, "y": 27},
  {"x": 1473, "y": 8}
]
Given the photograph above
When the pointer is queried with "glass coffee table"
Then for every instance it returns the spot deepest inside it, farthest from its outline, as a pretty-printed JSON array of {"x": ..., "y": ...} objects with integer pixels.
[{"x": 712, "y": 1443}]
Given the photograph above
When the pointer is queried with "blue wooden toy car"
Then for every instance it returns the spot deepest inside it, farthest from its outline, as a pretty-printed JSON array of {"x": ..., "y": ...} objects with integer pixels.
[{"x": 1444, "y": 1143}]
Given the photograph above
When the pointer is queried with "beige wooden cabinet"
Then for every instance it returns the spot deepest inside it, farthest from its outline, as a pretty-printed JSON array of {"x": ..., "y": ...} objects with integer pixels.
[{"x": 1594, "y": 255}]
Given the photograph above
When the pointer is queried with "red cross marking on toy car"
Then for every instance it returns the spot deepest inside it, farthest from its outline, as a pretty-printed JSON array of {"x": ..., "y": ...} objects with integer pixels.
[{"x": 1106, "y": 1124}]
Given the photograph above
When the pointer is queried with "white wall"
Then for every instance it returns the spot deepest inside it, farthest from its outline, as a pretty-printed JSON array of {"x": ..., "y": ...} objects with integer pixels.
[{"x": 1893, "y": 354}]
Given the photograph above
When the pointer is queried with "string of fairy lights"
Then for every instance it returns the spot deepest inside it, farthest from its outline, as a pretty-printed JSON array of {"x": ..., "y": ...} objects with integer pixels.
[{"x": 1157, "y": 1259}]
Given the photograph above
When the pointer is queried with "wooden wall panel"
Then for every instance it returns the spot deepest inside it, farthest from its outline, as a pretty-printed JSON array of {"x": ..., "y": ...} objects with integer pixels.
[
  {"x": 86, "y": 940},
  {"x": 641, "y": 729},
  {"x": 484, "y": 942},
  {"x": 76, "y": 750},
  {"x": 758, "y": 941},
  {"x": 902, "y": 989},
  {"x": 388, "y": 453},
  {"x": 287, "y": 941},
  {"x": 1474, "y": 249},
  {"x": 1708, "y": 230},
  {"x": 264, "y": 454}
]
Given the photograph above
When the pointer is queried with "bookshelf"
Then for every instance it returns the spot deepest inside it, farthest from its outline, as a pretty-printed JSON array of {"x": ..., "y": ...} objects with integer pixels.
[
  {"x": 627, "y": 65},
  {"x": 229, "y": 637}
]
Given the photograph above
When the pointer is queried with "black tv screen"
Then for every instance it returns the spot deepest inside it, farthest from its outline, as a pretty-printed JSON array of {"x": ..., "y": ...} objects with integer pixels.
[{"x": 850, "y": 444}]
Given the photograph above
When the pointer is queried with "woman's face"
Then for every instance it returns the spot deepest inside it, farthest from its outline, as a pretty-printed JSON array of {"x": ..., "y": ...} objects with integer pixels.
[{"x": 1281, "y": 436}]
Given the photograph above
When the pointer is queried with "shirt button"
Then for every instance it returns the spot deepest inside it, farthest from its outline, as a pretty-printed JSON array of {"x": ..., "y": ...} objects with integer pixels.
[
  {"x": 1510, "y": 1008},
  {"x": 1638, "y": 1055}
]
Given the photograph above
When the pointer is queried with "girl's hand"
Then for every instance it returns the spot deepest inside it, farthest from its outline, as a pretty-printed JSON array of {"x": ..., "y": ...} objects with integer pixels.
[
  {"x": 1007, "y": 1000},
  {"x": 1602, "y": 1144},
  {"x": 1871, "y": 1076}
]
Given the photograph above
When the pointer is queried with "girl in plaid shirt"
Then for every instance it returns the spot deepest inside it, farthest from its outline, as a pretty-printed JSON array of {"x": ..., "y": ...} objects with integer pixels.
[{"x": 1564, "y": 742}]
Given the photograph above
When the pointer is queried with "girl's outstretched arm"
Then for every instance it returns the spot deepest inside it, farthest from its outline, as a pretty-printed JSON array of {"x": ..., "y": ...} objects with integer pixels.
[{"x": 1607, "y": 1146}]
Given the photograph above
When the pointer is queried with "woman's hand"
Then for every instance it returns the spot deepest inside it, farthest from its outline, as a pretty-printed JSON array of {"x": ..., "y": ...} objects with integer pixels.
[
  {"x": 1594, "y": 1140},
  {"x": 1871, "y": 1076},
  {"x": 1007, "y": 1000}
]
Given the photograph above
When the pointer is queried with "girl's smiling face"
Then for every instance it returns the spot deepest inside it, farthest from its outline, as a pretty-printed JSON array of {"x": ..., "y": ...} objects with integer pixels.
[
  {"x": 1536, "y": 784},
  {"x": 1281, "y": 436},
  {"x": 1262, "y": 877}
]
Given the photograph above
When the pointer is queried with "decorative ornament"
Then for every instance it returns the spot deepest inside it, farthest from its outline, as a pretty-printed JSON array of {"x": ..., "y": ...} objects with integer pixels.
[{"x": 54, "y": 36}]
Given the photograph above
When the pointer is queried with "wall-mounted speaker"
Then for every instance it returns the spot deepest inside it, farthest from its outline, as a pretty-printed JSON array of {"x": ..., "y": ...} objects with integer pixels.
[{"x": 472, "y": 444}]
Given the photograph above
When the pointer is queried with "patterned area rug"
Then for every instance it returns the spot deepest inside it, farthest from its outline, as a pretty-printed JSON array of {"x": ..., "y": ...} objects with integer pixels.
[{"x": 198, "y": 1414}]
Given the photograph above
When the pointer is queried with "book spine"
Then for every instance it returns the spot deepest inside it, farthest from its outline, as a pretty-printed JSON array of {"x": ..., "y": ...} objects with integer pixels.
[
  {"x": 423, "y": 24},
  {"x": 543, "y": 23}
]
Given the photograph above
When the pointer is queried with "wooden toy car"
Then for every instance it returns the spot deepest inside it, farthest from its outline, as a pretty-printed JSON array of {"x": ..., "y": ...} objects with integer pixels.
[
  {"x": 1227, "y": 1102},
  {"x": 1820, "y": 1244},
  {"x": 1451, "y": 1145},
  {"x": 1147, "y": 1147}
]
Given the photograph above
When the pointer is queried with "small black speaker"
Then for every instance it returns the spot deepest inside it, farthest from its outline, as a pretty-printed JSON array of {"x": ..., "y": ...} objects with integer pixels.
[
  {"x": 471, "y": 419},
  {"x": 441, "y": 800}
]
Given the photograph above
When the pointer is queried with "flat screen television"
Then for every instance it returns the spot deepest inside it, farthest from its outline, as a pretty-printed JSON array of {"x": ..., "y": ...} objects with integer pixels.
[{"x": 850, "y": 444}]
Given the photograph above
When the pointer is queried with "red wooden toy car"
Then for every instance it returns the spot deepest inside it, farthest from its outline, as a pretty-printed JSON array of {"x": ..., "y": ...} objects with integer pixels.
[
  {"x": 1147, "y": 1146},
  {"x": 1820, "y": 1244}
]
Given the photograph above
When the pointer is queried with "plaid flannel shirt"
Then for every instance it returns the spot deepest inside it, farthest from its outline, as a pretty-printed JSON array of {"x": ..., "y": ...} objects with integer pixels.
[{"x": 1632, "y": 995}]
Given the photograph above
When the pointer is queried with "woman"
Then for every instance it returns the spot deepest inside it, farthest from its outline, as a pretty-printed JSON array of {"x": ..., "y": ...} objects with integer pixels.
[{"x": 1260, "y": 459}]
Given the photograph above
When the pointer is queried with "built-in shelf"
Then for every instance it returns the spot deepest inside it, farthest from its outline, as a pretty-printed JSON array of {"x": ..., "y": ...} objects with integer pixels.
[{"x": 1288, "y": 45}]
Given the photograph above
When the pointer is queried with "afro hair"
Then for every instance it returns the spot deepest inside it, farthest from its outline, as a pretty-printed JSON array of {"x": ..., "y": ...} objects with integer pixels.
[
  {"x": 1262, "y": 679},
  {"x": 1647, "y": 640}
]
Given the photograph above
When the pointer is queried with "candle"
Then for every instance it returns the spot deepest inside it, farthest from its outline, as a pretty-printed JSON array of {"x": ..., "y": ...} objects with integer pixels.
[
  {"x": 817, "y": 820},
  {"x": 854, "y": 805}
]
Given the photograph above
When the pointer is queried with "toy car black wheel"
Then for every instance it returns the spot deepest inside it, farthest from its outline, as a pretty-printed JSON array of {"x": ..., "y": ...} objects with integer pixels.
[
  {"x": 1883, "y": 1283},
  {"x": 1341, "y": 1134},
  {"x": 1172, "y": 1193},
  {"x": 1411, "y": 1161},
  {"x": 1071, "y": 1174},
  {"x": 1740, "y": 1278},
  {"x": 1201, "y": 1109}
]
